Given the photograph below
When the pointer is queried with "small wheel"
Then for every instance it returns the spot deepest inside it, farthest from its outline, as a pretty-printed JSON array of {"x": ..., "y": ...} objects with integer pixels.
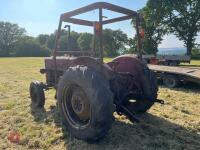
[
  {"x": 173, "y": 63},
  {"x": 85, "y": 103},
  {"x": 170, "y": 81},
  {"x": 166, "y": 63},
  {"x": 37, "y": 94}
]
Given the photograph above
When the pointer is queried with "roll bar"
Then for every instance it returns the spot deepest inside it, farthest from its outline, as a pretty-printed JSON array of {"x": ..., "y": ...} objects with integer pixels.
[{"x": 128, "y": 14}]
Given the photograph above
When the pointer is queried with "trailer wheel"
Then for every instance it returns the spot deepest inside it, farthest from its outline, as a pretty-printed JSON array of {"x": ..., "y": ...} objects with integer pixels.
[
  {"x": 37, "y": 94},
  {"x": 85, "y": 103},
  {"x": 173, "y": 63},
  {"x": 170, "y": 81}
]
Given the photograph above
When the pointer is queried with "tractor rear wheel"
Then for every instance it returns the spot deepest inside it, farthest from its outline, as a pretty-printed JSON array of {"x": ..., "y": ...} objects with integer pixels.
[
  {"x": 150, "y": 89},
  {"x": 85, "y": 103},
  {"x": 37, "y": 94}
]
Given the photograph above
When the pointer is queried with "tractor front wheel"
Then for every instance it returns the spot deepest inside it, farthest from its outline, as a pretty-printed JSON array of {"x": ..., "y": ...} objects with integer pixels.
[{"x": 37, "y": 94}]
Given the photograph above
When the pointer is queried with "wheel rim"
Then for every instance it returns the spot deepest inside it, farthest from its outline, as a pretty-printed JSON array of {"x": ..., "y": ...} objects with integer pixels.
[
  {"x": 76, "y": 106},
  {"x": 170, "y": 82}
]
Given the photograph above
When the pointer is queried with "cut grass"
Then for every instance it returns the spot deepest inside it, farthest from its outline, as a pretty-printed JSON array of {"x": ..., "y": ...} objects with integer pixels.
[
  {"x": 107, "y": 59},
  {"x": 192, "y": 63},
  {"x": 175, "y": 125}
]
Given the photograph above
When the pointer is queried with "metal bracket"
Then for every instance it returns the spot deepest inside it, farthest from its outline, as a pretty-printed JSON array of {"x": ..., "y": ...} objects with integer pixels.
[
  {"x": 160, "y": 101},
  {"x": 129, "y": 114}
]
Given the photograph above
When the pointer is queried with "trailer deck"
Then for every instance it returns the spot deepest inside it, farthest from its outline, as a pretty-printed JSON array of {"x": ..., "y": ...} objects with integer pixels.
[{"x": 177, "y": 74}]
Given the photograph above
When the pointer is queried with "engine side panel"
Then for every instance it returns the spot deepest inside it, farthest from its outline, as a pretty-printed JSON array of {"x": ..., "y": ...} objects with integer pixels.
[{"x": 63, "y": 63}]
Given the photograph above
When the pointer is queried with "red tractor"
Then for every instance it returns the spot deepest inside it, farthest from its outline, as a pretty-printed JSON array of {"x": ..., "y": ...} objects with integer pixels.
[{"x": 88, "y": 90}]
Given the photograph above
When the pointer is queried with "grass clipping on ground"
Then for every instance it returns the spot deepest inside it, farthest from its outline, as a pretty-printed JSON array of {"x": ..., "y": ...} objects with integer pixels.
[{"x": 176, "y": 125}]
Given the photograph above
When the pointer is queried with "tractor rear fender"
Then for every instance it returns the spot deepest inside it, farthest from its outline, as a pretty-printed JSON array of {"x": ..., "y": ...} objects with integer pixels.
[
  {"x": 134, "y": 66},
  {"x": 127, "y": 63}
]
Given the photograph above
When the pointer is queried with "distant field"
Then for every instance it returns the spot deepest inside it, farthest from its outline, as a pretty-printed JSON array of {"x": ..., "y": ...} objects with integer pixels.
[
  {"x": 107, "y": 59},
  {"x": 192, "y": 63},
  {"x": 176, "y": 125}
]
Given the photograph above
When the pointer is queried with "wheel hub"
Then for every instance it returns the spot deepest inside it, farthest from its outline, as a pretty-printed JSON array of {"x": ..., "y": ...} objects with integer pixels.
[
  {"x": 79, "y": 104},
  {"x": 170, "y": 82}
]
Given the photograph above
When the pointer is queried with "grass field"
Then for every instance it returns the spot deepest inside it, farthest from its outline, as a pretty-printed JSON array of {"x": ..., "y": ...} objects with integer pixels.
[
  {"x": 175, "y": 125},
  {"x": 193, "y": 63}
]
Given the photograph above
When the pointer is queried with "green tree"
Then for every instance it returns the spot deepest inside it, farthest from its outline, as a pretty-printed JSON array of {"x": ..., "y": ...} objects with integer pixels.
[
  {"x": 52, "y": 38},
  {"x": 114, "y": 41},
  {"x": 132, "y": 43},
  {"x": 68, "y": 44},
  {"x": 42, "y": 39},
  {"x": 184, "y": 20},
  {"x": 108, "y": 43},
  {"x": 181, "y": 18},
  {"x": 85, "y": 41},
  {"x": 154, "y": 25},
  {"x": 75, "y": 35},
  {"x": 196, "y": 52},
  {"x": 9, "y": 35},
  {"x": 64, "y": 40},
  {"x": 31, "y": 48},
  {"x": 51, "y": 41}
]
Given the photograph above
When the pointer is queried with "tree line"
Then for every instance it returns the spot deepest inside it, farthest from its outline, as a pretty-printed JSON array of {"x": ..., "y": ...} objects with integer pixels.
[
  {"x": 15, "y": 42},
  {"x": 161, "y": 17},
  {"x": 179, "y": 17}
]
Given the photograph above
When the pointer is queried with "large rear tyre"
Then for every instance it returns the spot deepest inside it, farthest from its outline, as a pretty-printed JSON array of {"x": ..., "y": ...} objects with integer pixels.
[{"x": 85, "y": 103}]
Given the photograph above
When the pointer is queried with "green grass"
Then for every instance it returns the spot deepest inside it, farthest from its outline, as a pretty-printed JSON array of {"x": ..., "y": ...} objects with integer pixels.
[
  {"x": 107, "y": 59},
  {"x": 176, "y": 125},
  {"x": 192, "y": 63}
]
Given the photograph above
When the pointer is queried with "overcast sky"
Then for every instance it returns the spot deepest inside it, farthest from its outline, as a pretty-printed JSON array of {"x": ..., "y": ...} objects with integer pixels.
[{"x": 42, "y": 16}]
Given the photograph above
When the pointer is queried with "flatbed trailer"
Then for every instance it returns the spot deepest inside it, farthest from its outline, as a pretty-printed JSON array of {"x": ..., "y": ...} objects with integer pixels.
[
  {"x": 167, "y": 60},
  {"x": 173, "y": 76}
]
